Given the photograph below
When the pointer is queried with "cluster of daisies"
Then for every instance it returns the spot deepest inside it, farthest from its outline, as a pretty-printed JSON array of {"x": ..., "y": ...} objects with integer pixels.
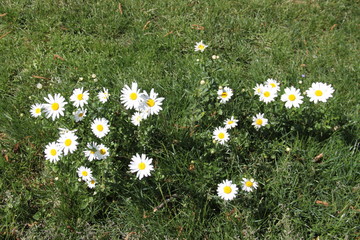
[
  {"x": 144, "y": 104},
  {"x": 67, "y": 142},
  {"x": 228, "y": 190},
  {"x": 268, "y": 91}
]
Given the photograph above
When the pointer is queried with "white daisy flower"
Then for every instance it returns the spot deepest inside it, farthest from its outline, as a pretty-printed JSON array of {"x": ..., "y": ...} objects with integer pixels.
[
  {"x": 84, "y": 173},
  {"x": 100, "y": 127},
  {"x": 227, "y": 190},
  {"x": 268, "y": 94},
  {"x": 230, "y": 122},
  {"x": 67, "y": 142},
  {"x": 150, "y": 104},
  {"x": 103, "y": 95},
  {"x": 319, "y": 92},
  {"x": 259, "y": 121},
  {"x": 55, "y": 106},
  {"x": 221, "y": 135},
  {"x": 36, "y": 110},
  {"x": 53, "y": 152},
  {"x": 79, "y": 114},
  {"x": 102, "y": 152},
  {"x": 91, "y": 183},
  {"x": 224, "y": 94},
  {"x": 130, "y": 97},
  {"x": 249, "y": 185},
  {"x": 142, "y": 165},
  {"x": 258, "y": 89},
  {"x": 79, "y": 97},
  {"x": 136, "y": 118},
  {"x": 200, "y": 46},
  {"x": 273, "y": 84},
  {"x": 292, "y": 97},
  {"x": 91, "y": 150}
]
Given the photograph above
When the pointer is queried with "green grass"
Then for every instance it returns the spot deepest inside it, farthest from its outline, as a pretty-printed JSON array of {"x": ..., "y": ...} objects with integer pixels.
[{"x": 152, "y": 43}]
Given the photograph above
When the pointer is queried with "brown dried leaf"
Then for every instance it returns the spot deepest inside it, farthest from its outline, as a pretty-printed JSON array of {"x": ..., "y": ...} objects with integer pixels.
[
  {"x": 3, "y": 15},
  {"x": 332, "y": 27},
  {"x": 58, "y": 57},
  {"x": 318, "y": 158},
  {"x": 120, "y": 9},
  {"x": 146, "y": 25},
  {"x": 34, "y": 76},
  {"x": 4, "y": 35},
  {"x": 168, "y": 33},
  {"x": 197, "y": 27},
  {"x": 326, "y": 204},
  {"x": 191, "y": 167}
]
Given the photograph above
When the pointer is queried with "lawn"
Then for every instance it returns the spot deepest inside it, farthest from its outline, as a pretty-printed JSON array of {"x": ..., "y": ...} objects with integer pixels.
[{"x": 305, "y": 161}]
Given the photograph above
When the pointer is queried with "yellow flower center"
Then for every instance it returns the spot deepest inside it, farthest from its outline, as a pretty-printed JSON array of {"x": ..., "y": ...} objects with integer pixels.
[
  {"x": 92, "y": 152},
  {"x": 230, "y": 122},
  {"x": 292, "y": 97},
  {"x": 224, "y": 94},
  {"x": 80, "y": 96},
  {"x": 201, "y": 47},
  {"x": 221, "y": 135},
  {"x": 133, "y": 96},
  {"x": 81, "y": 114},
  {"x": 67, "y": 142},
  {"x": 55, "y": 106},
  {"x": 318, "y": 93},
  {"x": 266, "y": 94},
  {"x": 92, "y": 182},
  {"x": 100, "y": 128},
  {"x": 84, "y": 173},
  {"x": 259, "y": 121},
  {"x": 150, "y": 102},
  {"x": 103, "y": 151},
  {"x": 53, "y": 152},
  {"x": 38, "y": 110},
  {"x": 273, "y": 85},
  {"x": 249, "y": 184},
  {"x": 141, "y": 166},
  {"x": 227, "y": 189}
]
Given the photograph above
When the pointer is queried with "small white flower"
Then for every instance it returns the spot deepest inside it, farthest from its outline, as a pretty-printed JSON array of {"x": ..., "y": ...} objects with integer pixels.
[
  {"x": 150, "y": 104},
  {"x": 258, "y": 89},
  {"x": 200, "y": 46},
  {"x": 39, "y": 86},
  {"x": 319, "y": 92},
  {"x": 268, "y": 94},
  {"x": 292, "y": 97},
  {"x": 273, "y": 84},
  {"x": 93, "y": 75},
  {"x": 53, "y": 152},
  {"x": 79, "y": 97},
  {"x": 79, "y": 114},
  {"x": 142, "y": 165},
  {"x": 55, "y": 106},
  {"x": 224, "y": 94},
  {"x": 130, "y": 97},
  {"x": 36, "y": 110},
  {"x": 100, "y": 127},
  {"x": 230, "y": 122},
  {"x": 91, "y": 183},
  {"x": 227, "y": 190},
  {"x": 90, "y": 152},
  {"x": 249, "y": 185},
  {"x": 84, "y": 173},
  {"x": 259, "y": 121},
  {"x": 68, "y": 143},
  {"x": 136, "y": 118},
  {"x": 103, "y": 95},
  {"x": 221, "y": 135},
  {"x": 102, "y": 152}
]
